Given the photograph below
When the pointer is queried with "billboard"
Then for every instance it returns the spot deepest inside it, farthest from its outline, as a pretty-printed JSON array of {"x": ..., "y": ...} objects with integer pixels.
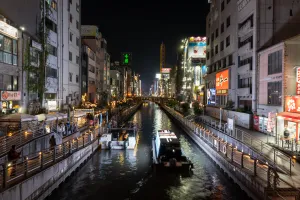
[
  {"x": 158, "y": 76},
  {"x": 222, "y": 82},
  {"x": 196, "y": 50},
  {"x": 211, "y": 96},
  {"x": 10, "y": 95},
  {"x": 166, "y": 70},
  {"x": 89, "y": 30},
  {"x": 298, "y": 81},
  {"x": 292, "y": 104}
]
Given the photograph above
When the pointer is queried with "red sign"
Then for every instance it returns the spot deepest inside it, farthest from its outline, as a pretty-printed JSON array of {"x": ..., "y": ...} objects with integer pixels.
[
  {"x": 292, "y": 104},
  {"x": 10, "y": 95},
  {"x": 256, "y": 122},
  {"x": 222, "y": 82},
  {"x": 298, "y": 81}
]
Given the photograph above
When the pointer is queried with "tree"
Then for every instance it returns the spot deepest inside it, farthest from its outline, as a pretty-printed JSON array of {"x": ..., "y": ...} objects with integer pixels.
[
  {"x": 197, "y": 109},
  {"x": 185, "y": 108}
]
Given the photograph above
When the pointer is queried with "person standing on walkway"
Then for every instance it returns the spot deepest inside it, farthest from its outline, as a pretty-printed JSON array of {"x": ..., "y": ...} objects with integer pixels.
[
  {"x": 286, "y": 134},
  {"x": 52, "y": 142}
]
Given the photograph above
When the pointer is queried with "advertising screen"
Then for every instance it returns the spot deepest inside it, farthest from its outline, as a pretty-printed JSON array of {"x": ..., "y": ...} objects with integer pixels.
[
  {"x": 222, "y": 82},
  {"x": 197, "y": 50},
  {"x": 158, "y": 76},
  {"x": 292, "y": 104},
  {"x": 88, "y": 30},
  {"x": 211, "y": 96},
  {"x": 166, "y": 70}
]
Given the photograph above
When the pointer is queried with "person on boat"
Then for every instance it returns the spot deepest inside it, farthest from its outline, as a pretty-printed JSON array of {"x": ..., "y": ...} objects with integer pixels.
[{"x": 12, "y": 156}]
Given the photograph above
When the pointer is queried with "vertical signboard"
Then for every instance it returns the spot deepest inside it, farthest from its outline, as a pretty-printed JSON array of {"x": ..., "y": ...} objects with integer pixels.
[
  {"x": 222, "y": 82},
  {"x": 126, "y": 58},
  {"x": 298, "y": 80}
]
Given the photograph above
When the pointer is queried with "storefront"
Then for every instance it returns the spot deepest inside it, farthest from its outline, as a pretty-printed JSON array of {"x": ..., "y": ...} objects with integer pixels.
[
  {"x": 10, "y": 102},
  {"x": 290, "y": 118}
]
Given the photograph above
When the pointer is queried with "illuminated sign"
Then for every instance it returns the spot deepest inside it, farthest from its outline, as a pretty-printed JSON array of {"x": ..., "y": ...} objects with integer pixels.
[
  {"x": 10, "y": 95},
  {"x": 8, "y": 30},
  {"x": 52, "y": 105},
  {"x": 222, "y": 82},
  {"x": 197, "y": 39},
  {"x": 166, "y": 70},
  {"x": 298, "y": 81},
  {"x": 211, "y": 96},
  {"x": 292, "y": 104},
  {"x": 197, "y": 49},
  {"x": 158, "y": 76},
  {"x": 88, "y": 30},
  {"x": 126, "y": 58}
]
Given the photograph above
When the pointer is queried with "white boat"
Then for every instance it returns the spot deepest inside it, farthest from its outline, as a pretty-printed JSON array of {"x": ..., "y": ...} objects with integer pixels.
[
  {"x": 119, "y": 138},
  {"x": 167, "y": 152}
]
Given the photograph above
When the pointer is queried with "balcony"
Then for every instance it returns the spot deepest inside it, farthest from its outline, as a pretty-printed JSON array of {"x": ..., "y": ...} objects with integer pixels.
[
  {"x": 243, "y": 91},
  {"x": 244, "y": 69},
  {"x": 52, "y": 61},
  {"x": 245, "y": 29},
  {"x": 245, "y": 49},
  {"x": 52, "y": 38},
  {"x": 51, "y": 85},
  {"x": 53, "y": 15}
]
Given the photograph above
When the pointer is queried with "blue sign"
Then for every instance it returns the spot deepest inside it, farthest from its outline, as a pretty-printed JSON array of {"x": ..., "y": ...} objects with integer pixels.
[{"x": 204, "y": 70}]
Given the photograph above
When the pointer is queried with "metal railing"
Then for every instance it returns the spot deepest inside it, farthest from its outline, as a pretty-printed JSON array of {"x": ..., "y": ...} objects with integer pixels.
[
  {"x": 14, "y": 171},
  {"x": 269, "y": 154}
]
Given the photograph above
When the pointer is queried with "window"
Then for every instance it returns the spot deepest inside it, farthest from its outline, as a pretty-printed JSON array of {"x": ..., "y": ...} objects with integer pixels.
[
  {"x": 71, "y": 36},
  {"x": 77, "y": 59},
  {"x": 54, "y": 5},
  {"x": 217, "y": 33},
  {"x": 71, "y": 18},
  {"x": 222, "y": 46},
  {"x": 207, "y": 55},
  {"x": 51, "y": 25},
  {"x": 212, "y": 38},
  {"x": 228, "y": 1},
  {"x": 207, "y": 41},
  {"x": 50, "y": 72},
  {"x": 228, "y": 22},
  {"x": 77, "y": 24},
  {"x": 222, "y": 27},
  {"x": 245, "y": 62},
  {"x": 91, "y": 68},
  {"x": 275, "y": 62},
  {"x": 244, "y": 82},
  {"x": 70, "y": 56},
  {"x": 77, "y": 78},
  {"x": 70, "y": 77},
  {"x": 230, "y": 60},
  {"x": 77, "y": 42},
  {"x": 8, "y": 50},
  {"x": 15, "y": 83},
  {"x": 274, "y": 93},
  {"x": 246, "y": 41},
  {"x": 222, "y": 5},
  {"x": 228, "y": 41},
  {"x": 52, "y": 50},
  {"x": 216, "y": 49}
]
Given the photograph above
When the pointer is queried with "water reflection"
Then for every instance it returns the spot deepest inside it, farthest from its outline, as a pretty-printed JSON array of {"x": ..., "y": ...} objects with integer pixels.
[{"x": 119, "y": 174}]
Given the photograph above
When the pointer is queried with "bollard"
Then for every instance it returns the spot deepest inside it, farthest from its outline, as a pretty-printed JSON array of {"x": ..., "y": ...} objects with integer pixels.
[
  {"x": 219, "y": 144},
  {"x": 232, "y": 149},
  {"x": 25, "y": 167},
  {"x": 255, "y": 165},
  {"x": 242, "y": 160},
  {"x": 70, "y": 147}
]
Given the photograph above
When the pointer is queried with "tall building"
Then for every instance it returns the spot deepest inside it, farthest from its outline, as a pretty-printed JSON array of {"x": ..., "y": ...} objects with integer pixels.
[
  {"x": 91, "y": 38},
  {"x": 70, "y": 41},
  {"x": 231, "y": 62},
  {"x": 104, "y": 67},
  {"x": 162, "y": 63}
]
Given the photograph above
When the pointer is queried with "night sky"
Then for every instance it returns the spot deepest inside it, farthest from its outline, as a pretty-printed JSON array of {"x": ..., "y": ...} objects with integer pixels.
[{"x": 140, "y": 27}]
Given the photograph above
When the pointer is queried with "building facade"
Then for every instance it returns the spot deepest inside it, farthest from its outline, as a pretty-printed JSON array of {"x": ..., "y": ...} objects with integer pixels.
[{"x": 162, "y": 62}]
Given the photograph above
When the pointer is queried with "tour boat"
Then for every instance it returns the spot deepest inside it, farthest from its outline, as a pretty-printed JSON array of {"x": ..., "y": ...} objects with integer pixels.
[
  {"x": 167, "y": 152},
  {"x": 119, "y": 138}
]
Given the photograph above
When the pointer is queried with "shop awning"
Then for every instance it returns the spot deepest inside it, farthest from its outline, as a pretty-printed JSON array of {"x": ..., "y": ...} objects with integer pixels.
[{"x": 290, "y": 116}]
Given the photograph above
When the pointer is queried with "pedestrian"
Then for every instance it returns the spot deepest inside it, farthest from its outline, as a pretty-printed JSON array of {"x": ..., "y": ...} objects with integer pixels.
[
  {"x": 52, "y": 142},
  {"x": 286, "y": 134},
  {"x": 13, "y": 155}
]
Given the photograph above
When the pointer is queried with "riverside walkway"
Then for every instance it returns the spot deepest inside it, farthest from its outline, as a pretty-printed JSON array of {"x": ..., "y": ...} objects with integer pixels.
[{"x": 256, "y": 165}]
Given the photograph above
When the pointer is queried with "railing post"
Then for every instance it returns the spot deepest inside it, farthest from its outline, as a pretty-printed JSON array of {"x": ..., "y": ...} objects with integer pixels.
[
  {"x": 42, "y": 160},
  {"x": 25, "y": 167},
  {"x": 219, "y": 144},
  {"x": 5, "y": 174},
  {"x": 232, "y": 149},
  {"x": 54, "y": 154},
  {"x": 226, "y": 145},
  {"x": 70, "y": 147},
  {"x": 64, "y": 149},
  {"x": 255, "y": 166},
  {"x": 242, "y": 160}
]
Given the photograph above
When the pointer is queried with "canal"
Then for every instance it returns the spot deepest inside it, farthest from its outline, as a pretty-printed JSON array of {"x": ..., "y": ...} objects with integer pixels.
[{"x": 120, "y": 174}]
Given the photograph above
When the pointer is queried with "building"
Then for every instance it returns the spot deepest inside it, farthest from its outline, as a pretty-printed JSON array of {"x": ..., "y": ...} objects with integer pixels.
[
  {"x": 115, "y": 83},
  {"x": 91, "y": 38},
  {"x": 69, "y": 11},
  {"x": 104, "y": 67},
  {"x": 279, "y": 89},
  {"x": 162, "y": 62},
  {"x": 221, "y": 24}
]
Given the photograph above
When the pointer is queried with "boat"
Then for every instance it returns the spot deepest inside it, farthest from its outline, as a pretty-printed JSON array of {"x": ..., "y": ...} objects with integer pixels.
[
  {"x": 119, "y": 138},
  {"x": 167, "y": 152}
]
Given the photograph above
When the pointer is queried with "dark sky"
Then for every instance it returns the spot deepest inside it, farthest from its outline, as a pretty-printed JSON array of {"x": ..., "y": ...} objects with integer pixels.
[{"x": 140, "y": 27}]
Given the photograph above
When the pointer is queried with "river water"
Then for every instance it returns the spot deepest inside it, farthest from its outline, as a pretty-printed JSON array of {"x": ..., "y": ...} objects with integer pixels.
[{"x": 120, "y": 175}]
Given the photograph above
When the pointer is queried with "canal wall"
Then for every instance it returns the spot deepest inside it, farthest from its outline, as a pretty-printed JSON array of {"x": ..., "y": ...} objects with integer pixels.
[{"x": 252, "y": 186}]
